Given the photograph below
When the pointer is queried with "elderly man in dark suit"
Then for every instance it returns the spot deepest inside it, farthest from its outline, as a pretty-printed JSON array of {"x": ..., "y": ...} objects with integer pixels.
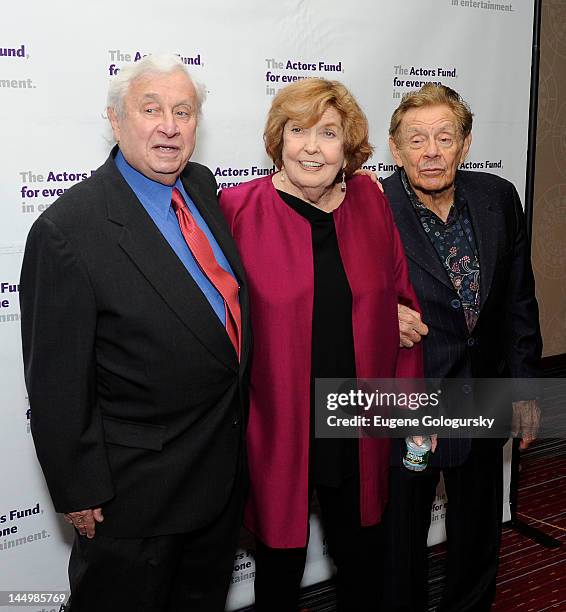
[
  {"x": 136, "y": 343},
  {"x": 465, "y": 240}
]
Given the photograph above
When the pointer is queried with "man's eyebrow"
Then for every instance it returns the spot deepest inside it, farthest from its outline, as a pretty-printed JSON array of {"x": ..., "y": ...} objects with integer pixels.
[
  {"x": 415, "y": 130},
  {"x": 155, "y": 98},
  {"x": 448, "y": 126},
  {"x": 150, "y": 96}
]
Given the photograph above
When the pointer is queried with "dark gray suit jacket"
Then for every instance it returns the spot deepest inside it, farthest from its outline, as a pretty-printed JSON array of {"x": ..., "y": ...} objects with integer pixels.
[
  {"x": 138, "y": 400},
  {"x": 506, "y": 340}
]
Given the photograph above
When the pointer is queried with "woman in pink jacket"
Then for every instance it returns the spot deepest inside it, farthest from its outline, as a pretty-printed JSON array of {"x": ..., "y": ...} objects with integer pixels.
[{"x": 326, "y": 270}]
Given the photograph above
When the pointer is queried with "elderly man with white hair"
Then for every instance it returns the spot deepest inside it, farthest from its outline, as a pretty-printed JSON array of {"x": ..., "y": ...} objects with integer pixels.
[{"x": 136, "y": 343}]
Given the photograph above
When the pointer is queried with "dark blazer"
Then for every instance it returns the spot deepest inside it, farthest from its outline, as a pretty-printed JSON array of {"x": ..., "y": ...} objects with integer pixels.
[
  {"x": 506, "y": 340},
  {"x": 138, "y": 400}
]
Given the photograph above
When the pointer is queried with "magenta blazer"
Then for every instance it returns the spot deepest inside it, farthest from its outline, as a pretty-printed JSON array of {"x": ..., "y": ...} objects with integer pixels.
[{"x": 275, "y": 246}]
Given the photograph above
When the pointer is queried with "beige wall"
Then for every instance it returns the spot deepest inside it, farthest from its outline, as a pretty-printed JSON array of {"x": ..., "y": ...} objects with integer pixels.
[{"x": 549, "y": 218}]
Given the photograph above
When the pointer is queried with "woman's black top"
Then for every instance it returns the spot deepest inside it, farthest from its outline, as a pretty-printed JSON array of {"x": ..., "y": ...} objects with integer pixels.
[{"x": 332, "y": 356}]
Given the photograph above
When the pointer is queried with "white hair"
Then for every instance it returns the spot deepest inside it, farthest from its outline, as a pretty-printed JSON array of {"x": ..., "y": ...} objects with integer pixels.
[{"x": 150, "y": 64}]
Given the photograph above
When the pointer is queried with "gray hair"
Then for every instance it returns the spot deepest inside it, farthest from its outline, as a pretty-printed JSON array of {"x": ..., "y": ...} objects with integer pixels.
[
  {"x": 431, "y": 94},
  {"x": 150, "y": 64}
]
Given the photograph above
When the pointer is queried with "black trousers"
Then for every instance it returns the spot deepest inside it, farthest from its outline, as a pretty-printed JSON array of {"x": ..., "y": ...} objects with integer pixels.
[
  {"x": 473, "y": 530},
  {"x": 188, "y": 572},
  {"x": 355, "y": 551}
]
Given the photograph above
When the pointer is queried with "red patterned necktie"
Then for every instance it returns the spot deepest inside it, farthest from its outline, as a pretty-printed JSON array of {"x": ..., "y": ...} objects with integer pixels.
[{"x": 224, "y": 282}]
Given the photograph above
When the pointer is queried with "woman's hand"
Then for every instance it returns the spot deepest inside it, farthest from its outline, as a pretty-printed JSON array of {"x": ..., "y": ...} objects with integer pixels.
[{"x": 411, "y": 327}]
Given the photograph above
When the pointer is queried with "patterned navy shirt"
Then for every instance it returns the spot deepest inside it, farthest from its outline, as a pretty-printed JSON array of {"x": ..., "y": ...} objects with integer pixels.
[{"x": 455, "y": 244}]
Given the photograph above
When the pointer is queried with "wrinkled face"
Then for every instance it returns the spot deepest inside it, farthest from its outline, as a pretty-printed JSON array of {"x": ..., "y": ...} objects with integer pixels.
[
  {"x": 313, "y": 156},
  {"x": 430, "y": 148},
  {"x": 157, "y": 131}
]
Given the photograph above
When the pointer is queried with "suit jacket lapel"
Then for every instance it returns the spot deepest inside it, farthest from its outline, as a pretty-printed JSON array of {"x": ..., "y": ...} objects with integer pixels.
[
  {"x": 485, "y": 222},
  {"x": 156, "y": 260},
  {"x": 417, "y": 245}
]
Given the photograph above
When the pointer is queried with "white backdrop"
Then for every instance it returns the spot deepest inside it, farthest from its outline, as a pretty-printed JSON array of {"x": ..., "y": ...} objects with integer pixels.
[{"x": 55, "y": 62}]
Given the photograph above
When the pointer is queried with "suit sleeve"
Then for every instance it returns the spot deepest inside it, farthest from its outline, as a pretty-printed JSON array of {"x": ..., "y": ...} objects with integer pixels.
[
  {"x": 409, "y": 360},
  {"x": 523, "y": 343},
  {"x": 58, "y": 319}
]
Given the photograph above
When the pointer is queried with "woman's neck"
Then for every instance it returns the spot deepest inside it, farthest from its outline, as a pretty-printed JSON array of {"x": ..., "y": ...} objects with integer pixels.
[{"x": 327, "y": 198}]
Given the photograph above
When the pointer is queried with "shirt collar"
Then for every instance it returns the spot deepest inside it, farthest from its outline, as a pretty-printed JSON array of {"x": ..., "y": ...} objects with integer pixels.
[{"x": 152, "y": 194}]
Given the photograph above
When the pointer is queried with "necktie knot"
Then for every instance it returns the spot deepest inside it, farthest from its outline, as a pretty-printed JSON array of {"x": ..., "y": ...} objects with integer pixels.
[{"x": 177, "y": 200}]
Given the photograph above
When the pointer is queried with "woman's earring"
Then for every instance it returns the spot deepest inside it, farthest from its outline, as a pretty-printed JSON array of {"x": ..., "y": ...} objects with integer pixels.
[
  {"x": 343, "y": 184},
  {"x": 282, "y": 175}
]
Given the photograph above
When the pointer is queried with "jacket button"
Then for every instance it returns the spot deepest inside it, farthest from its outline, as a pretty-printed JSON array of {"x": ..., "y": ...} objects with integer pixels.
[
  {"x": 471, "y": 342},
  {"x": 235, "y": 422},
  {"x": 466, "y": 389},
  {"x": 455, "y": 304}
]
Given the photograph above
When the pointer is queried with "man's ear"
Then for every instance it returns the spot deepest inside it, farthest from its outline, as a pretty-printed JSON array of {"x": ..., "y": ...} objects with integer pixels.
[
  {"x": 466, "y": 148},
  {"x": 395, "y": 152},
  {"x": 113, "y": 118}
]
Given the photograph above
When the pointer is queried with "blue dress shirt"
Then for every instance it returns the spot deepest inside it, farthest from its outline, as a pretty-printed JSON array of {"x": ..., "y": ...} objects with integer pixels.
[{"x": 156, "y": 199}]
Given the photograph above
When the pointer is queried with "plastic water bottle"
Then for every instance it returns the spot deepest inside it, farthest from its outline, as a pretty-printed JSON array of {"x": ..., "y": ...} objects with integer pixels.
[{"x": 416, "y": 457}]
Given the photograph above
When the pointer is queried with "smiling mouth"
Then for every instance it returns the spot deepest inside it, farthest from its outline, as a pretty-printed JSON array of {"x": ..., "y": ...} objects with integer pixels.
[
  {"x": 310, "y": 165},
  {"x": 166, "y": 149}
]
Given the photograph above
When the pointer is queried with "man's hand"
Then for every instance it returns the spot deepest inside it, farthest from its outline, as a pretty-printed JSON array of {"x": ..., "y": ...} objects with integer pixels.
[
  {"x": 418, "y": 440},
  {"x": 372, "y": 176},
  {"x": 85, "y": 521},
  {"x": 526, "y": 421},
  {"x": 411, "y": 328}
]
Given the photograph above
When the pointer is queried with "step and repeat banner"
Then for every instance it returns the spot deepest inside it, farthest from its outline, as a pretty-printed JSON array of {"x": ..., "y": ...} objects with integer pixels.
[{"x": 56, "y": 59}]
